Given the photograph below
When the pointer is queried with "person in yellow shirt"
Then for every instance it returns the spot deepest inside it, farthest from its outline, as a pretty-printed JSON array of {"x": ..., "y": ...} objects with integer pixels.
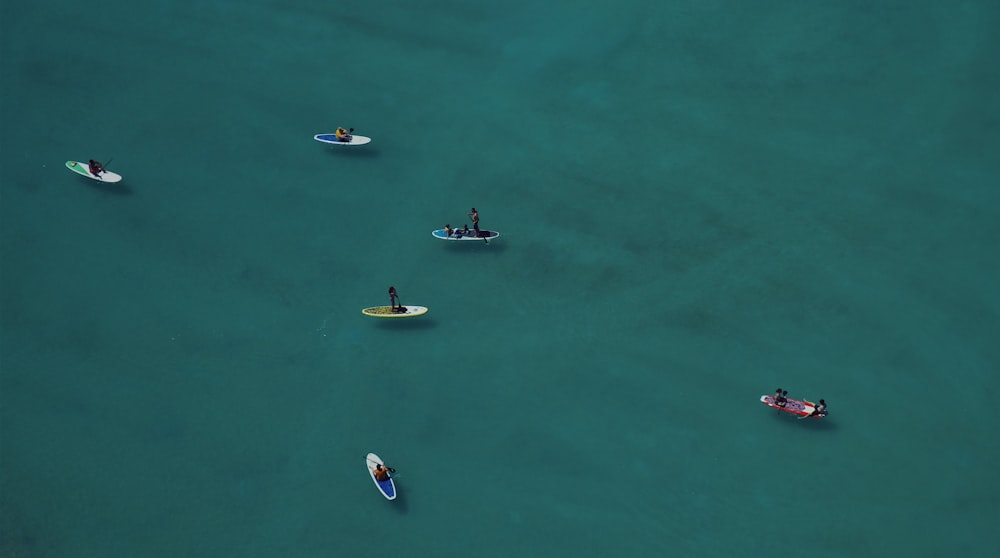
[{"x": 344, "y": 135}]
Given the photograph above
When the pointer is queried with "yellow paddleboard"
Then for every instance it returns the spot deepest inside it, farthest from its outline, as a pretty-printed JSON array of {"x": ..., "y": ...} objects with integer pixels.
[{"x": 386, "y": 312}]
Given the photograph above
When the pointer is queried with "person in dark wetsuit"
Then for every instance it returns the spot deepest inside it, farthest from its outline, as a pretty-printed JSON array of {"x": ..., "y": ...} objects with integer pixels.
[
  {"x": 779, "y": 397},
  {"x": 394, "y": 304},
  {"x": 96, "y": 168},
  {"x": 820, "y": 410}
]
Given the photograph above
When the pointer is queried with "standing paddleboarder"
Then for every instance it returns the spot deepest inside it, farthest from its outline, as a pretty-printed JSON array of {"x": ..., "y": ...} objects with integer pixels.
[
  {"x": 474, "y": 215},
  {"x": 394, "y": 304}
]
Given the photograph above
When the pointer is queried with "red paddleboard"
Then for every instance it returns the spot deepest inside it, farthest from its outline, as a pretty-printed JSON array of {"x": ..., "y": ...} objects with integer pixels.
[{"x": 794, "y": 406}]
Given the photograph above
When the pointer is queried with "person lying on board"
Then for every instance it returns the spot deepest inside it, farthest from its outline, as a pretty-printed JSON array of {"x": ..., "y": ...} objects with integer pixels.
[
  {"x": 463, "y": 232},
  {"x": 779, "y": 397},
  {"x": 456, "y": 233},
  {"x": 344, "y": 135},
  {"x": 96, "y": 168},
  {"x": 820, "y": 410}
]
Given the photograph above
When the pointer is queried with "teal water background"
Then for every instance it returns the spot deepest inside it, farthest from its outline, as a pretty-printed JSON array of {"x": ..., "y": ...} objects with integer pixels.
[{"x": 699, "y": 202}]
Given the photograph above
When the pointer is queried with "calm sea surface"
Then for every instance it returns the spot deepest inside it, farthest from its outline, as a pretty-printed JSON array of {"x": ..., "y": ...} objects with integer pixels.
[{"x": 698, "y": 201}]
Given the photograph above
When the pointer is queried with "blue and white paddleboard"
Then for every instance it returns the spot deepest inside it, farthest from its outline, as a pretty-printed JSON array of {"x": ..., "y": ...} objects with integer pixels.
[
  {"x": 332, "y": 138},
  {"x": 460, "y": 235},
  {"x": 386, "y": 487}
]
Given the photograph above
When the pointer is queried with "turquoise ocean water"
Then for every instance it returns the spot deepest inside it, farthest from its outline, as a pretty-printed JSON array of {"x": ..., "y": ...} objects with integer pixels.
[{"x": 699, "y": 201}]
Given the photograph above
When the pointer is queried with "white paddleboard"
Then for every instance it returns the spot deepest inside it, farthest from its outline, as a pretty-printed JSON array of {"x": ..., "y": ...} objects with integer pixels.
[
  {"x": 83, "y": 169},
  {"x": 387, "y": 487},
  {"x": 332, "y": 138}
]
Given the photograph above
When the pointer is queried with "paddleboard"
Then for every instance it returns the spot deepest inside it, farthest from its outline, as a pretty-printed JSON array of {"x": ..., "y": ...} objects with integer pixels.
[
  {"x": 386, "y": 487},
  {"x": 488, "y": 235},
  {"x": 386, "y": 312},
  {"x": 794, "y": 406},
  {"x": 83, "y": 169},
  {"x": 332, "y": 138}
]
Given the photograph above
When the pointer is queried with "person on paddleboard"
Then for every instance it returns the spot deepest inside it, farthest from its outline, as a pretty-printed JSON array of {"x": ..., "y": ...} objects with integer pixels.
[
  {"x": 96, "y": 168},
  {"x": 820, "y": 410},
  {"x": 382, "y": 473},
  {"x": 394, "y": 304},
  {"x": 344, "y": 135},
  {"x": 779, "y": 397},
  {"x": 474, "y": 215}
]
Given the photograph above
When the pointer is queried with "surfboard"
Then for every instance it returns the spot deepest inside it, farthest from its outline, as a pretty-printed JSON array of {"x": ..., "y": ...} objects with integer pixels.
[
  {"x": 332, "y": 138},
  {"x": 386, "y": 312},
  {"x": 794, "y": 406},
  {"x": 386, "y": 487},
  {"x": 83, "y": 169},
  {"x": 488, "y": 235}
]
